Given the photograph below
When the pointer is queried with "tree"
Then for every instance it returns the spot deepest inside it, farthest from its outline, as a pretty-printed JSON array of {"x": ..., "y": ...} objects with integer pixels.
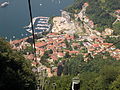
[
  {"x": 45, "y": 57},
  {"x": 67, "y": 55},
  {"x": 72, "y": 65},
  {"x": 66, "y": 42},
  {"x": 116, "y": 84},
  {"x": 15, "y": 72},
  {"x": 113, "y": 40},
  {"x": 99, "y": 11},
  {"x": 116, "y": 28},
  {"x": 76, "y": 36},
  {"x": 109, "y": 75},
  {"x": 61, "y": 83}
]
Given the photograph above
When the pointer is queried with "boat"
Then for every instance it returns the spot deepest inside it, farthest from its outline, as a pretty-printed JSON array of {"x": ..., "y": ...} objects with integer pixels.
[
  {"x": 40, "y": 4},
  {"x": 59, "y": 2},
  {"x": 4, "y": 4}
]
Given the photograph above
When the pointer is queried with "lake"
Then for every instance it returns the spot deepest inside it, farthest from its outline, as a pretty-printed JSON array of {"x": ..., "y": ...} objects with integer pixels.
[{"x": 16, "y": 15}]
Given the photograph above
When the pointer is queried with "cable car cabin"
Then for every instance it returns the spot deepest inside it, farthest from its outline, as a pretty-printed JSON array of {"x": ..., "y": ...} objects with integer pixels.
[{"x": 75, "y": 84}]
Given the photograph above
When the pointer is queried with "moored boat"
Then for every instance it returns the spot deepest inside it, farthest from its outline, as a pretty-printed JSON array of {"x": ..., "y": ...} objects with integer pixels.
[{"x": 4, "y": 4}]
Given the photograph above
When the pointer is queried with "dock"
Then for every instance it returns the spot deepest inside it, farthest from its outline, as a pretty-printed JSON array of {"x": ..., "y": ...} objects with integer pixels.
[{"x": 40, "y": 25}]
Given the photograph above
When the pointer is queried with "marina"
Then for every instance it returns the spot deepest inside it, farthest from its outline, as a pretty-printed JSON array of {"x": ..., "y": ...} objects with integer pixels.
[
  {"x": 14, "y": 16},
  {"x": 40, "y": 25},
  {"x": 43, "y": 25}
]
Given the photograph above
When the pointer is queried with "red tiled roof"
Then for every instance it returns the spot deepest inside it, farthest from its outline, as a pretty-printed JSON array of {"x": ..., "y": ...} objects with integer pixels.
[
  {"x": 34, "y": 63},
  {"x": 91, "y": 49},
  {"x": 75, "y": 44},
  {"x": 95, "y": 45},
  {"x": 54, "y": 57},
  {"x": 69, "y": 37},
  {"x": 117, "y": 11},
  {"x": 40, "y": 49},
  {"x": 30, "y": 57},
  {"x": 16, "y": 41},
  {"x": 73, "y": 52},
  {"x": 55, "y": 70},
  {"x": 86, "y": 4},
  {"x": 98, "y": 51},
  {"x": 106, "y": 44},
  {"x": 50, "y": 39},
  {"x": 60, "y": 41},
  {"x": 66, "y": 50},
  {"x": 49, "y": 42},
  {"x": 85, "y": 54},
  {"x": 115, "y": 56},
  {"x": 97, "y": 40},
  {"x": 50, "y": 46},
  {"x": 117, "y": 50},
  {"x": 40, "y": 44},
  {"x": 63, "y": 45},
  {"x": 93, "y": 36},
  {"x": 61, "y": 54}
]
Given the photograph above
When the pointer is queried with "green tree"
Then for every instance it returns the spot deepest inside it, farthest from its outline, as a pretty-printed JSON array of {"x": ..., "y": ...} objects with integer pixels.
[
  {"x": 61, "y": 83},
  {"x": 73, "y": 65},
  {"x": 116, "y": 84},
  {"x": 116, "y": 28},
  {"x": 45, "y": 57},
  {"x": 67, "y": 55},
  {"x": 113, "y": 40},
  {"x": 108, "y": 75},
  {"x": 15, "y": 72}
]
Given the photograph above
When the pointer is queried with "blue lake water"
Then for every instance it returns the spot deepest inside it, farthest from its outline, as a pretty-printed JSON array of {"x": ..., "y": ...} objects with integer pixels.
[{"x": 15, "y": 16}]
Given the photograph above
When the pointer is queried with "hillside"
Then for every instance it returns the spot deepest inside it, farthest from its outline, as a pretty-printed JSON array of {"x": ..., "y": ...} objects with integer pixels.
[
  {"x": 15, "y": 70},
  {"x": 102, "y": 12}
]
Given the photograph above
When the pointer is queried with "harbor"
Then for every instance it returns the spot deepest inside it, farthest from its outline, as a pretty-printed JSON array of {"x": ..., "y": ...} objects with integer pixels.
[
  {"x": 40, "y": 25},
  {"x": 17, "y": 13}
]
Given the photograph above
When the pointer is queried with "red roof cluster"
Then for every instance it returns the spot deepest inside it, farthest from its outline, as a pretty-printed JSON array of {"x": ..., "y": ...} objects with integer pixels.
[
  {"x": 69, "y": 37},
  {"x": 40, "y": 44},
  {"x": 118, "y": 11},
  {"x": 96, "y": 45},
  {"x": 16, "y": 41},
  {"x": 54, "y": 57},
  {"x": 86, "y": 4},
  {"x": 72, "y": 52},
  {"x": 109, "y": 44},
  {"x": 30, "y": 57},
  {"x": 61, "y": 54}
]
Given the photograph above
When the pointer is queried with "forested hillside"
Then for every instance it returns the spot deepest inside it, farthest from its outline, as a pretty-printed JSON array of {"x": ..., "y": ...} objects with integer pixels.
[
  {"x": 15, "y": 71},
  {"x": 100, "y": 73},
  {"x": 100, "y": 11}
]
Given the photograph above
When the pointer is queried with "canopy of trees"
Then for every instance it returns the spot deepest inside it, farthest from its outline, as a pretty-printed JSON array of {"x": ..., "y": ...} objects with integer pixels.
[
  {"x": 113, "y": 40},
  {"x": 100, "y": 73},
  {"x": 15, "y": 72},
  {"x": 100, "y": 11}
]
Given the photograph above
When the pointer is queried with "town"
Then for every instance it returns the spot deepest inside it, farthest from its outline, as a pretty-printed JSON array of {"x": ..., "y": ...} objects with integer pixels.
[{"x": 67, "y": 37}]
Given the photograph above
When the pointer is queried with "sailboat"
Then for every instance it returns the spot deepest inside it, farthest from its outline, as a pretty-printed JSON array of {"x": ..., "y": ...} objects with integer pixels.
[{"x": 40, "y": 4}]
